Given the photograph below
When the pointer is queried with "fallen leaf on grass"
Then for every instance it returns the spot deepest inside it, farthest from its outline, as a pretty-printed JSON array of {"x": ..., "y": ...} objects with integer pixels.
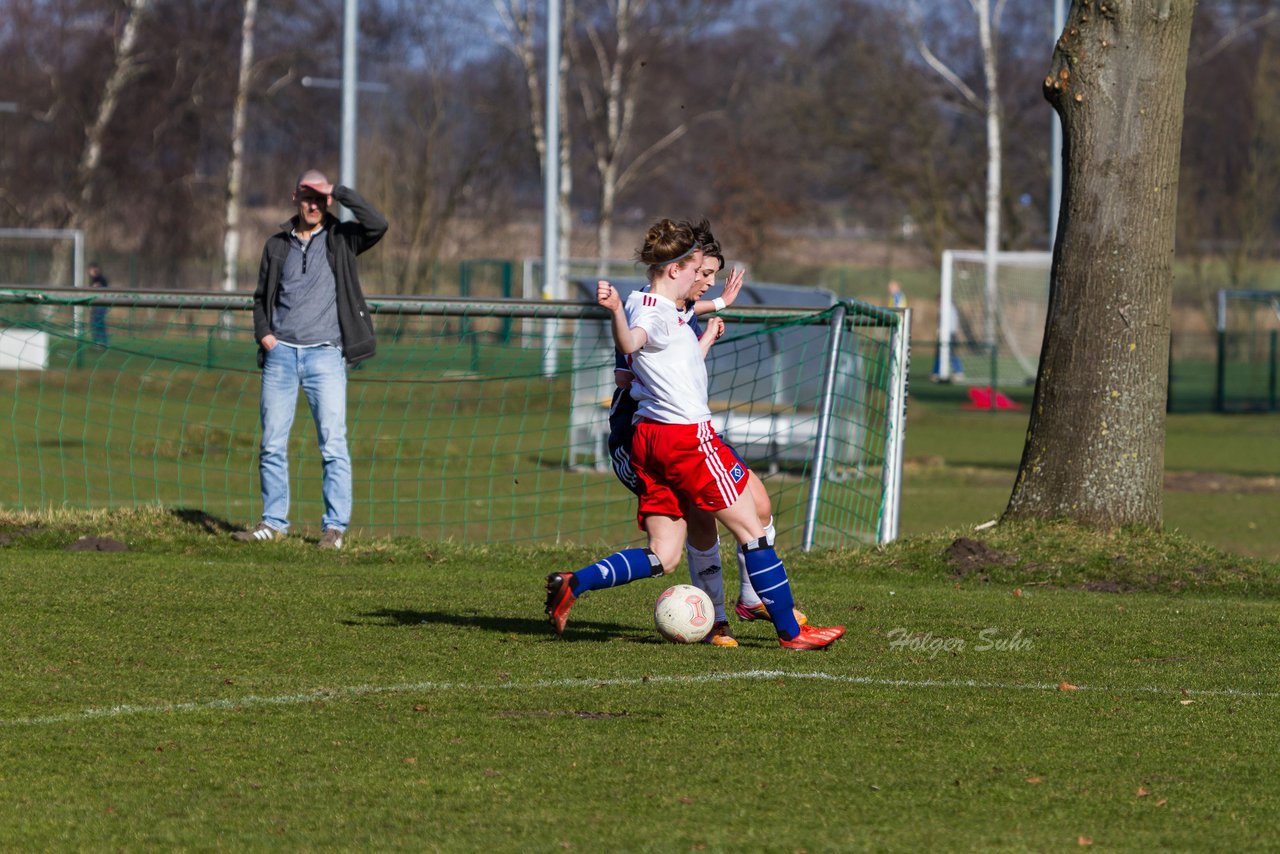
[
  {"x": 1017, "y": 594},
  {"x": 1084, "y": 840},
  {"x": 1067, "y": 686},
  {"x": 1142, "y": 793},
  {"x": 1035, "y": 781},
  {"x": 1185, "y": 702},
  {"x": 1162, "y": 802}
]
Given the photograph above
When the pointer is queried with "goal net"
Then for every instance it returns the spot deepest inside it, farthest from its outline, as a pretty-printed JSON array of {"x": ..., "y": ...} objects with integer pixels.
[
  {"x": 1248, "y": 328},
  {"x": 455, "y": 428},
  {"x": 990, "y": 332}
]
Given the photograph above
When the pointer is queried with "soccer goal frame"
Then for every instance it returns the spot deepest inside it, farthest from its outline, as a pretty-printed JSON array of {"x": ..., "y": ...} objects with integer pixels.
[
  {"x": 76, "y": 236},
  {"x": 1248, "y": 327},
  {"x": 455, "y": 431},
  {"x": 996, "y": 325}
]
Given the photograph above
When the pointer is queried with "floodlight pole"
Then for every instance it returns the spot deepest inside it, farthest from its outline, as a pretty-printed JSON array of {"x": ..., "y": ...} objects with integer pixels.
[
  {"x": 551, "y": 186},
  {"x": 1055, "y": 155},
  {"x": 350, "y": 53}
]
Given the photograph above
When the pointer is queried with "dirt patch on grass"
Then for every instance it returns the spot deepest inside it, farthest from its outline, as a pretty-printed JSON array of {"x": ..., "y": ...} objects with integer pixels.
[
  {"x": 97, "y": 544},
  {"x": 970, "y": 558}
]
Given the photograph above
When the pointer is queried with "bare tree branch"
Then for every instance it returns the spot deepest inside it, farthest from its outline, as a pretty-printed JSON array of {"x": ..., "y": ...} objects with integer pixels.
[{"x": 1230, "y": 37}]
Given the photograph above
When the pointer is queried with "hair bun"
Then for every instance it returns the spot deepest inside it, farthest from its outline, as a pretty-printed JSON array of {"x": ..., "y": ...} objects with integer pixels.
[{"x": 666, "y": 240}]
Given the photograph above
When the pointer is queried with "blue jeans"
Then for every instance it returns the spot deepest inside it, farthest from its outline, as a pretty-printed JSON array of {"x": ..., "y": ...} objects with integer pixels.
[
  {"x": 322, "y": 373},
  {"x": 98, "y": 324}
]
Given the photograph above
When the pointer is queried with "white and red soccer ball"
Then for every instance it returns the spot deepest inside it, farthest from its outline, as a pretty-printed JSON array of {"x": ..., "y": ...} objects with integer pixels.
[{"x": 683, "y": 614}]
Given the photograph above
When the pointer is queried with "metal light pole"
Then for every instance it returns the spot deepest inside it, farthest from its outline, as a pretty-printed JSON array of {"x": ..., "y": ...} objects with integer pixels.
[
  {"x": 551, "y": 186},
  {"x": 1055, "y": 155},
  {"x": 347, "y": 170}
]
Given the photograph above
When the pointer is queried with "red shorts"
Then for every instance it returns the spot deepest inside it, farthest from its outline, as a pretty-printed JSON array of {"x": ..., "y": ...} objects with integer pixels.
[{"x": 684, "y": 465}]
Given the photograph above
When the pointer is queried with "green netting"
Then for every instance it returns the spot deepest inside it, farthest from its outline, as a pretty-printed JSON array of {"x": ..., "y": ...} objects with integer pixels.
[
  {"x": 1248, "y": 351},
  {"x": 476, "y": 422}
]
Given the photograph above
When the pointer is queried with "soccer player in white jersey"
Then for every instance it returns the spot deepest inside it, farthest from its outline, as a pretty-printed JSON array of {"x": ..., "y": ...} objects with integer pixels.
[
  {"x": 676, "y": 453},
  {"x": 702, "y": 545}
]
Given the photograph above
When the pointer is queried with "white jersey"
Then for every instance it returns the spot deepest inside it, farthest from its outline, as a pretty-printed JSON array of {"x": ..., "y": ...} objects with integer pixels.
[{"x": 670, "y": 383}]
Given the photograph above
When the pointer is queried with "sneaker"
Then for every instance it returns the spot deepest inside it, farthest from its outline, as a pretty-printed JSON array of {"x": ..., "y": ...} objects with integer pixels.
[
  {"x": 720, "y": 635},
  {"x": 261, "y": 531},
  {"x": 760, "y": 612},
  {"x": 560, "y": 599},
  {"x": 812, "y": 637},
  {"x": 331, "y": 539}
]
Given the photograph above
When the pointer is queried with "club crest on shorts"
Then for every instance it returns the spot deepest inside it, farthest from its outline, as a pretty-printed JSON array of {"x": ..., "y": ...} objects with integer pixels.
[{"x": 737, "y": 472}]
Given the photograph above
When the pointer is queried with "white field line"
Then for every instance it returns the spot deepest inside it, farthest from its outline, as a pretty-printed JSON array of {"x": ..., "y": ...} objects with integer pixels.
[{"x": 252, "y": 700}]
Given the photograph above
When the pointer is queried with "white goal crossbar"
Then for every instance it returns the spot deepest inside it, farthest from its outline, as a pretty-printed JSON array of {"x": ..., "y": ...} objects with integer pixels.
[{"x": 76, "y": 236}]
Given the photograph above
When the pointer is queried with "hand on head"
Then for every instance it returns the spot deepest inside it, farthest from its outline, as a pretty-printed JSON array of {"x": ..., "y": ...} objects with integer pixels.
[
  {"x": 315, "y": 181},
  {"x": 320, "y": 186}
]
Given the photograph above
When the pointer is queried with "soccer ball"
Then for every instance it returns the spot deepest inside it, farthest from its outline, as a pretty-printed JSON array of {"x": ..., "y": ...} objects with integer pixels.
[{"x": 683, "y": 614}]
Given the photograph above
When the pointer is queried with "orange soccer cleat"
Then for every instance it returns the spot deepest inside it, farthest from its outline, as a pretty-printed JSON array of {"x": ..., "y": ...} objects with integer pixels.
[
  {"x": 813, "y": 637},
  {"x": 720, "y": 635},
  {"x": 760, "y": 612},
  {"x": 560, "y": 599}
]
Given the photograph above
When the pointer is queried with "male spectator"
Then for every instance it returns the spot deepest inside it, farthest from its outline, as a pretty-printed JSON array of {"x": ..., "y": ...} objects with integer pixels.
[
  {"x": 98, "y": 313},
  {"x": 311, "y": 321}
]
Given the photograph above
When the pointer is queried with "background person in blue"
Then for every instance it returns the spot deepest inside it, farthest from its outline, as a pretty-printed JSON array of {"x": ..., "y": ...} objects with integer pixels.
[
  {"x": 98, "y": 313},
  {"x": 311, "y": 321}
]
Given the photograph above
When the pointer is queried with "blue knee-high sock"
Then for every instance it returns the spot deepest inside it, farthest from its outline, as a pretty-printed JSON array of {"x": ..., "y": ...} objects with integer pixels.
[
  {"x": 618, "y": 568},
  {"x": 769, "y": 578}
]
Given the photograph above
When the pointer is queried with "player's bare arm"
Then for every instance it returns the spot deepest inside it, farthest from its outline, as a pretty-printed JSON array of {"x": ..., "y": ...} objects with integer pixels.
[{"x": 625, "y": 338}]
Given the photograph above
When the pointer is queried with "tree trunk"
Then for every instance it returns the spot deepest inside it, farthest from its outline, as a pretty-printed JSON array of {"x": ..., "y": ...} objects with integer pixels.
[
  {"x": 235, "y": 170},
  {"x": 122, "y": 70},
  {"x": 1095, "y": 446}
]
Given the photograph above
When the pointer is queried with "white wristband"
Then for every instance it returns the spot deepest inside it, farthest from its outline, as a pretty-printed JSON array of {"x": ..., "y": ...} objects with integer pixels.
[{"x": 719, "y": 303}]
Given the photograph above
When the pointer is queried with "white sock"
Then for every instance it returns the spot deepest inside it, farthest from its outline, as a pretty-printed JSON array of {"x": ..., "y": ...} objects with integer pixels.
[
  {"x": 746, "y": 593},
  {"x": 704, "y": 567}
]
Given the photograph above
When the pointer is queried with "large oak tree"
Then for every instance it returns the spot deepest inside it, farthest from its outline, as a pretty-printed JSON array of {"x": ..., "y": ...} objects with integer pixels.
[{"x": 1095, "y": 446}]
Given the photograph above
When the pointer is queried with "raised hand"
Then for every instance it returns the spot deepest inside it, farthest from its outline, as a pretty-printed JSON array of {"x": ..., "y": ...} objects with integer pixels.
[
  {"x": 732, "y": 287},
  {"x": 713, "y": 328},
  {"x": 324, "y": 188},
  {"x": 607, "y": 296}
]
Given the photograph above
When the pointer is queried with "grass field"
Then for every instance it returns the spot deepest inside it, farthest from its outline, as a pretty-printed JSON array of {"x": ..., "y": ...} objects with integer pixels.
[
  {"x": 1029, "y": 688},
  {"x": 401, "y": 695},
  {"x": 1222, "y": 477}
]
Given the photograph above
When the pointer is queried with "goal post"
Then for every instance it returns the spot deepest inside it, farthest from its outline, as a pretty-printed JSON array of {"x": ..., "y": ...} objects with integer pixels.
[
  {"x": 42, "y": 257},
  {"x": 1248, "y": 327},
  {"x": 455, "y": 430},
  {"x": 990, "y": 332}
]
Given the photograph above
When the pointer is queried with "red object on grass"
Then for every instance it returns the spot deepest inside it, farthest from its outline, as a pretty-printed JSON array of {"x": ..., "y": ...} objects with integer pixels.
[{"x": 980, "y": 398}]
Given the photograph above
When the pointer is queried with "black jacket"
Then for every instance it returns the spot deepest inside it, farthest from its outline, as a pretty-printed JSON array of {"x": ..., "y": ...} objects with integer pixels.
[{"x": 345, "y": 240}]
